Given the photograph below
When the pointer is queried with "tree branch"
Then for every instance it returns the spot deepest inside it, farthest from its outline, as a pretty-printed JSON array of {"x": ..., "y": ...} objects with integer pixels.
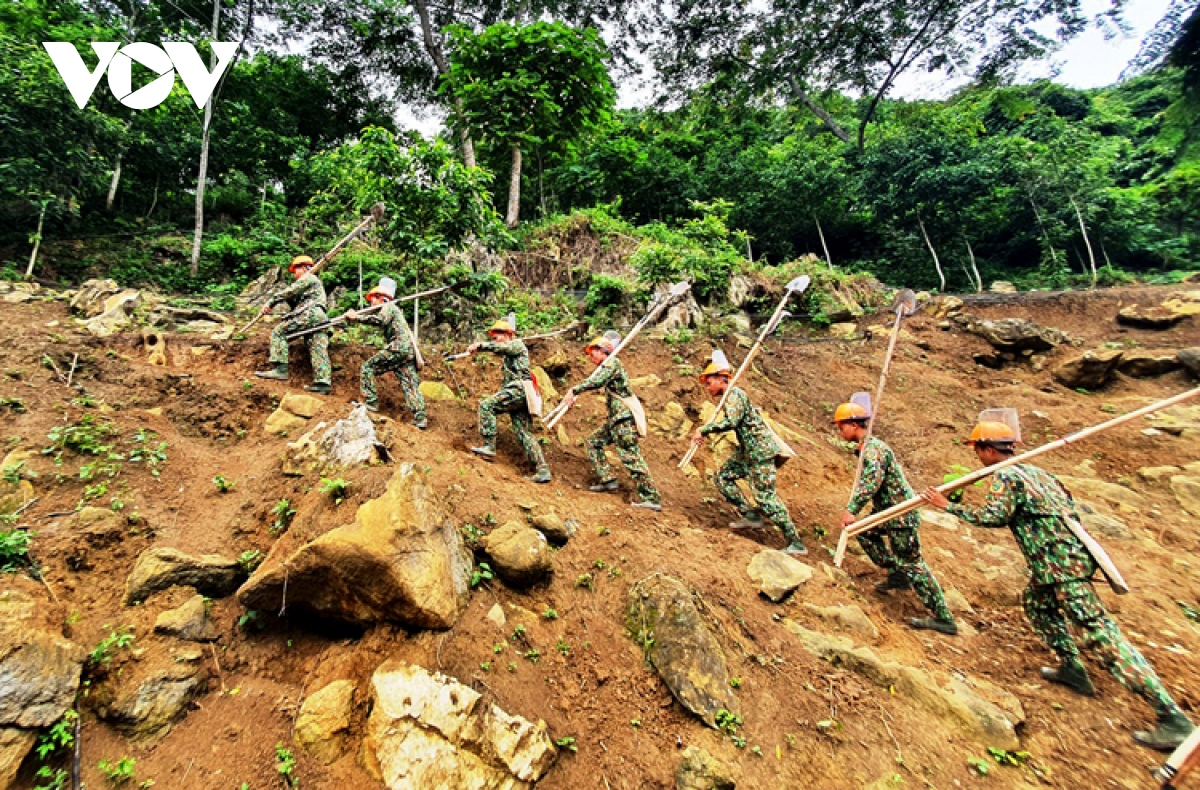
[{"x": 818, "y": 110}]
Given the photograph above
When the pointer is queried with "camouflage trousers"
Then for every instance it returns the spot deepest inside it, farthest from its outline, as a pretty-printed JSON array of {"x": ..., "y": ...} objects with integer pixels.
[
  {"x": 405, "y": 368},
  {"x": 761, "y": 477},
  {"x": 1052, "y": 611},
  {"x": 511, "y": 399},
  {"x": 318, "y": 350},
  {"x": 622, "y": 434},
  {"x": 899, "y": 550}
]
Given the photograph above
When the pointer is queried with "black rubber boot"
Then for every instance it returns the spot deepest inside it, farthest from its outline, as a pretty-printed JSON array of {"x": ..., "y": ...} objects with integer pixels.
[
  {"x": 487, "y": 449},
  {"x": 1073, "y": 675},
  {"x": 277, "y": 373},
  {"x": 895, "y": 581},
  {"x": 948, "y": 627},
  {"x": 607, "y": 485},
  {"x": 1172, "y": 730},
  {"x": 318, "y": 389}
]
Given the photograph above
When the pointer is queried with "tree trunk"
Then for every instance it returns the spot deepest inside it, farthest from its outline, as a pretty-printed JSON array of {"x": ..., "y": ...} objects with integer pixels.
[
  {"x": 1086, "y": 241},
  {"x": 202, "y": 177},
  {"x": 975, "y": 269},
  {"x": 824, "y": 246},
  {"x": 514, "y": 189},
  {"x": 937, "y": 264},
  {"x": 112, "y": 185},
  {"x": 818, "y": 110},
  {"x": 153, "y": 200},
  {"x": 1045, "y": 233},
  {"x": 434, "y": 48},
  {"x": 37, "y": 240}
]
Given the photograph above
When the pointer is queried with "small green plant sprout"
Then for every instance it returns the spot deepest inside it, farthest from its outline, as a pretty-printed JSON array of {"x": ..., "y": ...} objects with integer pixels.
[
  {"x": 471, "y": 533},
  {"x": 728, "y": 722},
  {"x": 117, "y": 504},
  {"x": 600, "y": 565},
  {"x": 15, "y": 405},
  {"x": 117, "y": 639},
  {"x": 486, "y": 666},
  {"x": 145, "y": 451},
  {"x": 756, "y": 750},
  {"x": 738, "y": 741},
  {"x": 251, "y": 621},
  {"x": 285, "y": 764},
  {"x": 1005, "y": 757},
  {"x": 14, "y": 549},
  {"x": 980, "y": 766},
  {"x": 584, "y": 581},
  {"x": 223, "y": 484},
  {"x": 482, "y": 573},
  {"x": 60, "y": 737},
  {"x": 613, "y": 571},
  {"x": 512, "y": 666},
  {"x": 567, "y": 742},
  {"x": 498, "y": 648},
  {"x": 284, "y": 513},
  {"x": 819, "y": 530},
  {"x": 791, "y": 739},
  {"x": 84, "y": 401},
  {"x": 518, "y": 633},
  {"x": 602, "y": 531},
  {"x": 118, "y": 773},
  {"x": 635, "y": 723},
  {"x": 735, "y": 683},
  {"x": 550, "y": 614},
  {"x": 532, "y": 655},
  {"x": 12, "y": 473},
  {"x": 249, "y": 560},
  {"x": 52, "y": 779},
  {"x": 563, "y": 648},
  {"x": 335, "y": 488}
]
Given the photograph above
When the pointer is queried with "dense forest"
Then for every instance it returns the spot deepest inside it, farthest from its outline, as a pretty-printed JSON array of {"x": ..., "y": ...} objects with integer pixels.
[{"x": 741, "y": 155}]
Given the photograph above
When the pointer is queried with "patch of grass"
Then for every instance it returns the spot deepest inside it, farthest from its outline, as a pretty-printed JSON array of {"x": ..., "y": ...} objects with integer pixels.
[
  {"x": 118, "y": 773},
  {"x": 563, "y": 648},
  {"x": 335, "y": 488},
  {"x": 89, "y": 436},
  {"x": 285, "y": 764},
  {"x": 585, "y": 581},
  {"x": 117, "y": 639},
  {"x": 12, "y": 473},
  {"x": 249, "y": 560},
  {"x": 284, "y": 513},
  {"x": 15, "y": 405}
]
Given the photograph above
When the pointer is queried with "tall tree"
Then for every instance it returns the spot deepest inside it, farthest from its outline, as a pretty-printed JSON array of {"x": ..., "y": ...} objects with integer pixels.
[{"x": 533, "y": 86}]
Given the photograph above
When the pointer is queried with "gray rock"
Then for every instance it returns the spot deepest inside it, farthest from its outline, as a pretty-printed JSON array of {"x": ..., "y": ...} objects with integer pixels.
[
  {"x": 1190, "y": 359},
  {"x": 149, "y": 701},
  {"x": 1148, "y": 364},
  {"x": 162, "y": 568},
  {"x": 39, "y": 668},
  {"x": 324, "y": 721},
  {"x": 1156, "y": 317},
  {"x": 557, "y": 530},
  {"x": 777, "y": 574},
  {"x": 1102, "y": 524},
  {"x": 676, "y": 641},
  {"x": 1012, "y": 335},
  {"x": 699, "y": 770},
  {"x": 520, "y": 555},
  {"x": 15, "y": 743},
  {"x": 1090, "y": 371},
  {"x": 189, "y": 621}
]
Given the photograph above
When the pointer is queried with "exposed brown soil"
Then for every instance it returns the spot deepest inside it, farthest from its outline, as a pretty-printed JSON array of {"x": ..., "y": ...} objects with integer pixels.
[{"x": 628, "y": 729}]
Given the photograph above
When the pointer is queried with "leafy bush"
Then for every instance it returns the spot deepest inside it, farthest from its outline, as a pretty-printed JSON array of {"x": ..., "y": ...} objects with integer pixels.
[{"x": 14, "y": 549}]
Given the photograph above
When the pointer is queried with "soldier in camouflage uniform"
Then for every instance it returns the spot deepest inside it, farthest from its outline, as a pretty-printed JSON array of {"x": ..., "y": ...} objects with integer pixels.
[
  {"x": 1035, "y": 506},
  {"x": 511, "y": 398},
  {"x": 399, "y": 356},
  {"x": 754, "y": 460},
  {"x": 896, "y": 546},
  {"x": 620, "y": 429},
  {"x": 306, "y": 298}
]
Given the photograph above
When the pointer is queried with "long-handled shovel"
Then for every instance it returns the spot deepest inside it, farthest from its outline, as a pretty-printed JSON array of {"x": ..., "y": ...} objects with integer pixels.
[
  {"x": 676, "y": 291},
  {"x": 374, "y": 215},
  {"x": 526, "y": 339},
  {"x": 796, "y": 286},
  {"x": 895, "y": 511},
  {"x": 339, "y": 320},
  {"x": 1182, "y": 762},
  {"x": 904, "y": 305}
]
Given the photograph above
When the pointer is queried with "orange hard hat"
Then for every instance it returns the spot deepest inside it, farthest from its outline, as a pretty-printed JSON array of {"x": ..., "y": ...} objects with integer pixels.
[
  {"x": 502, "y": 326},
  {"x": 719, "y": 366},
  {"x": 992, "y": 433},
  {"x": 298, "y": 261},
  {"x": 602, "y": 343},
  {"x": 851, "y": 412}
]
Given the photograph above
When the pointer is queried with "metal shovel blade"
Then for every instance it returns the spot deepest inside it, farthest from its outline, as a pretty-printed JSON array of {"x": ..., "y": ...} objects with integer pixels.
[
  {"x": 680, "y": 288},
  {"x": 905, "y": 303},
  {"x": 800, "y": 284}
]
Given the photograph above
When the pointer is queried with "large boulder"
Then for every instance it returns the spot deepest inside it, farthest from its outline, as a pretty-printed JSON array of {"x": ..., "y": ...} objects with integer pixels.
[
  {"x": 189, "y": 621},
  {"x": 401, "y": 560},
  {"x": 1091, "y": 371},
  {"x": 39, "y": 668},
  {"x": 1116, "y": 495},
  {"x": 520, "y": 554},
  {"x": 117, "y": 315},
  {"x": 671, "y": 421},
  {"x": 427, "y": 730},
  {"x": 942, "y": 307},
  {"x": 351, "y": 441},
  {"x": 556, "y": 529},
  {"x": 1148, "y": 364},
  {"x": 676, "y": 641},
  {"x": 983, "y": 711},
  {"x": 1154, "y": 317},
  {"x": 161, "y": 568},
  {"x": 1013, "y": 335},
  {"x": 324, "y": 721},
  {"x": 699, "y": 770},
  {"x": 1190, "y": 359},
  {"x": 777, "y": 574},
  {"x": 146, "y": 698},
  {"x": 89, "y": 300}
]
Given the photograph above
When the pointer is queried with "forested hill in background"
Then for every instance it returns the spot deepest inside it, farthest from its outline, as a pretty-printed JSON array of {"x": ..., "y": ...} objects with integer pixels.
[{"x": 1039, "y": 184}]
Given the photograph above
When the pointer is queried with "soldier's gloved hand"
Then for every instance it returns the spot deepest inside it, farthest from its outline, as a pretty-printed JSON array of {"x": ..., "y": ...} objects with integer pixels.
[
  {"x": 351, "y": 315},
  {"x": 473, "y": 348},
  {"x": 697, "y": 437},
  {"x": 848, "y": 518},
  {"x": 570, "y": 397},
  {"x": 265, "y": 309}
]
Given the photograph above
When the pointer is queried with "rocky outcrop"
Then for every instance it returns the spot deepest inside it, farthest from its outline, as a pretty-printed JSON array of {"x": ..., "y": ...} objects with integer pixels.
[
  {"x": 401, "y": 560},
  {"x": 1153, "y": 317},
  {"x": 1190, "y": 359},
  {"x": 189, "y": 621},
  {"x": 89, "y": 300},
  {"x": 671, "y": 421},
  {"x": 983, "y": 711},
  {"x": 348, "y": 442},
  {"x": 147, "y": 699},
  {"x": 556, "y": 529},
  {"x": 942, "y": 307},
  {"x": 777, "y": 574},
  {"x": 437, "y": 390},
  {"x": 848, "y": 618},
  {"x": 1012, "y": 335},
  {"x": 427, "y": 730},
  {"x": 520, "y": 554},
  {"x": 676, "y": 641},
  {"x": 1148, "y": 364},
  {"x": 1118, "y": 496},
  {"x": 159, "y": 569},
  {"x": 1090, "y": 371},
  {"x": 699, "y": 770},
  {"x": 117, "y": 315},
  {"x": 1187, "y": 493},
  {"x": 324, "y": 721}
]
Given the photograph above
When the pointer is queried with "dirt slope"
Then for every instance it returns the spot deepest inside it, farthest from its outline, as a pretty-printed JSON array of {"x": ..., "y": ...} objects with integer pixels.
[{"x": 591, "y": 682}]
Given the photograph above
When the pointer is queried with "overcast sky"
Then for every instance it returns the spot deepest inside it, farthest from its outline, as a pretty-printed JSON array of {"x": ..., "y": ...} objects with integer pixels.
[{"x": 1090, "y": 61}]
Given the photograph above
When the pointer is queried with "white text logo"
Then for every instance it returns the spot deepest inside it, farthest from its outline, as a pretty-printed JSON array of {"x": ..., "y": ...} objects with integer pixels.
[{"x": 118, "y": 61}]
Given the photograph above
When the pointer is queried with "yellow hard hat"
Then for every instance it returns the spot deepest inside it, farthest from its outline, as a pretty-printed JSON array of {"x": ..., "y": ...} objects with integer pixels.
[
  {"x": 716, "y": 369},
  {"x": 602, "y": 343},
  {"x": 300, "y": 260},
  {"x": 851, "y": 412},
  {"x": 502, "y": 326},
  {"x": 992, "y": 433}
]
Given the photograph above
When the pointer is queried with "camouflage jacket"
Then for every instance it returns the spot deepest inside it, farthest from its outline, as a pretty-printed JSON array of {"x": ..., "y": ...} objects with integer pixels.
[
  {"x": 615, "y": 381},
  {"x": 755, "y": 442},
  {"x": 1034, "y": 505},
  {"x": 514, "y": 362},
  {"x": 395, "y": 328},
  {"x": 306, "y": 298},
  {"x": 883, "y": 485}
]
